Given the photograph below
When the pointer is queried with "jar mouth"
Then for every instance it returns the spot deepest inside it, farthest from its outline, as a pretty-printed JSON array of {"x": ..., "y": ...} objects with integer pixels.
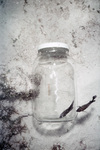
[{"x": 53, "y": 50}]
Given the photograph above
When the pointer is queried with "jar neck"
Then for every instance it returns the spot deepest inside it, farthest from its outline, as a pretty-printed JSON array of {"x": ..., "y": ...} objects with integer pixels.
[
  {"x": 53, "y": 52},
  {"x": 53, "y": 55}
]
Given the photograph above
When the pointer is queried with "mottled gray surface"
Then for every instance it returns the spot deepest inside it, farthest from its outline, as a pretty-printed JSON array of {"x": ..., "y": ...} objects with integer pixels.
[{"x": 26, "y": 24}]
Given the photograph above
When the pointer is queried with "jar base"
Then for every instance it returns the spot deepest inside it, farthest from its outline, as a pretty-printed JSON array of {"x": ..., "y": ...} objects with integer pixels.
[
  {"x": 53, "y": 128},
  {"x": 55, "y": 120}
]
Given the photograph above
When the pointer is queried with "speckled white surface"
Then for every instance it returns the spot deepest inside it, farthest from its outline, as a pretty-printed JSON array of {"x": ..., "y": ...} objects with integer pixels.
[{"x": 23, "y": 26}]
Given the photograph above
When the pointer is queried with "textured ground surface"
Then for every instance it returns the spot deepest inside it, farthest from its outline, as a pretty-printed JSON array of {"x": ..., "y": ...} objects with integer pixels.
[{"x": 24, "y": 24}]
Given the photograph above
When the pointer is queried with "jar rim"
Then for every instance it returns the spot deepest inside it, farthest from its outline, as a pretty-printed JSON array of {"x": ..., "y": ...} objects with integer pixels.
[{"x": 53, "y": 44}]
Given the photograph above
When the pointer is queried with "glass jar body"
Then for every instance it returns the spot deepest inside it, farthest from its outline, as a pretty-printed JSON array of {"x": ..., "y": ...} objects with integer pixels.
[{"x": 54, "y": 78}]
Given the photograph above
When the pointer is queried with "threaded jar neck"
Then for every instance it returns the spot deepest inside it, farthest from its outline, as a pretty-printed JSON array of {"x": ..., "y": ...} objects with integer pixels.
[{"x": 54, "y": 52}]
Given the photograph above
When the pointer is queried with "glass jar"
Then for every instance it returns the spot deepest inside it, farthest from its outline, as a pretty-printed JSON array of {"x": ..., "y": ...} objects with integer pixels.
[{"x": 53, "y": 77}]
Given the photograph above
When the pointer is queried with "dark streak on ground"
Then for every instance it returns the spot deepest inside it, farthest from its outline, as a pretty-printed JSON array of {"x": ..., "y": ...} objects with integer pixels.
[
  {"x": 82, "y": 27},
  {"x": 58, "y": 3},
  {"x": 2, "y": 2},
  {"x": 98, "y": 11},
  {"x": 70, "y": 2},
  {"x": 57, "y": 147},
  {"x": 25, "y": 1},
  {"x": 73, "y": 39},
  {"x": 11, "y": 128},
  {"x": 61, "y": 8},
  {"x": 99, "y": 117},
  {"x": 10, "y": 94},
  {"x": 84, "y": 146}
]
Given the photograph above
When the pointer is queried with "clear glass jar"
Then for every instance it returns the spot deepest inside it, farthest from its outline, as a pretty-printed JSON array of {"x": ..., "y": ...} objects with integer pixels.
[{"x": 53, "y": 77}]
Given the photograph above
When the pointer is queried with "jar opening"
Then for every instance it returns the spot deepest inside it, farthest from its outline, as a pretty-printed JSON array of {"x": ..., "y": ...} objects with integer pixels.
[{"x": 53, "y": 52}]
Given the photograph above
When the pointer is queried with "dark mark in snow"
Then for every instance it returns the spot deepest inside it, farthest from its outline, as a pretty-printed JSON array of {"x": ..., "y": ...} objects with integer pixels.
[
  {"x": 99, "y": 117},
  {"x": 25, "y": 1},
  {"x": 61, "y": 8},
  {"x": 83, "y": 145},
  {"x": 82, "y": 27},
  {"x": 39, "y": 20},
  {"x": 37, "y": 79},
  {"x": 73, "y": 39},
  {"x": 2, "y": 2},
  {"x": 14, "y": 40},
  {"x": 57, "y": 147},
  {"x": 6, "y": 112},
  {"x": 17, "y": 129},
  {"x": 98, "y": 11},
  {"x": 11, "y": 128},
  {"x": 58, "y": 3},
  {"x": 70, "y": 2},
  {"x": 10, "y": 94},
  {"x": 23, "y": 145},
  {"x": 25, "y": 11}
]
